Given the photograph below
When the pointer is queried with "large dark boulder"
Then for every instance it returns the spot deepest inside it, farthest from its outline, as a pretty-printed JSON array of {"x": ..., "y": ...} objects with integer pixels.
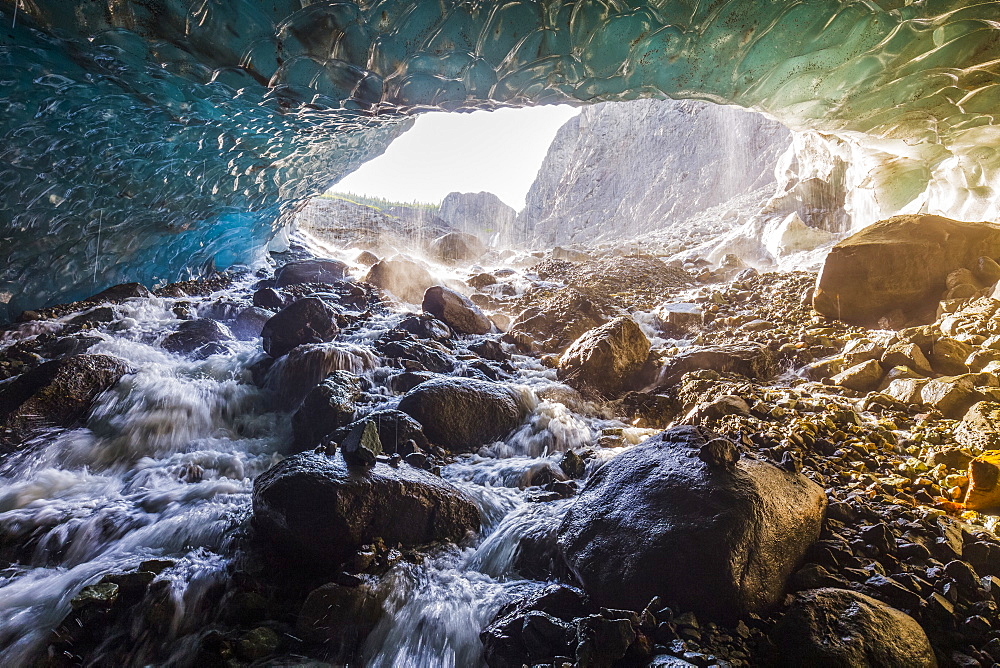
[
  {"x": 199, "y": 338},
  {"x": 316, "y": 511},
  {"x": 665, "y": 518},
  {"x": 55, "y": 394},
  {"x": 310, "y": 271},
  {"x": 455, "y": 310},
  {"x": 308, "y": 320},
  {"x": 403, "y": 277},
  {"x": 462, "y": 414},
  {"x": 752, "y": 360},
  {"x": 457, "y": 246},
  {"x": 837, "y": 628},
  {"x": 605, "y": 358},
  {"x": 899, "y": 265},
  {"x": 328, "y": 407}
]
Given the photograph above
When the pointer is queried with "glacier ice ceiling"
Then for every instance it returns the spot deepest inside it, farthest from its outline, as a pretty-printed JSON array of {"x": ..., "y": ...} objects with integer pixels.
[{"x": 151, "y": 140}]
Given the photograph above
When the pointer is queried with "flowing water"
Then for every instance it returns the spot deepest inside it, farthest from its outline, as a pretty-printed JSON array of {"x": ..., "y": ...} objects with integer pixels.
[{"x": 164, "y": 470}]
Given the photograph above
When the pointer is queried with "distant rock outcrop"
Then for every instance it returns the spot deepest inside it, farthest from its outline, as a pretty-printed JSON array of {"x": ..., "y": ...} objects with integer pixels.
[
  {"x": 622, "y": 169},
  {"x": 482, "y": 214}
]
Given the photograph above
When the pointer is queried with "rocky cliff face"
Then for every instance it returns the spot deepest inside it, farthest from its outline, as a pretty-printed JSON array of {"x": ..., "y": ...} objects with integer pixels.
[
  {"x": 622, "y": 169},
  {"x": 482, "y": 214}
]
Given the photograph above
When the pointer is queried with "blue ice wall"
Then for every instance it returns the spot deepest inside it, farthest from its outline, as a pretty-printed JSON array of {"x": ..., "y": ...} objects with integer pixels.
[{"x": 150, "y": 140}]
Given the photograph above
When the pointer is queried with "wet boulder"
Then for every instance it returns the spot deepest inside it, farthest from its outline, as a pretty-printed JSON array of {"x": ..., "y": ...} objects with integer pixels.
[
  {"x": 316, "y": 511},
  {"x": 536, "y": 628},
  {"x": 395, "y": 429},
  {"x": 490, "y": 349},
  {"x": 249, "y": 322},
  {"x": 456, "y": 247},
  {"x": 899, "y": 264},
  {"x": 268, "y": 298},
  {"x": 328, "y": 407},
  {"x": 953, "y": 395},
  {"x": 199, "y": 338},
  {"x": 480, "y": 281},
  {"x": 718, "y": 540},
  {"x": 55, "y": 394},
  {"x": 425, "y": 326},
  {"x": 948, "y": 356},
  {"x": 427, "y": 355},
  {"x": 361, "y": 446},
  {"x": 310, "y": 271},
  {"x": 841, "y": 628},
  {"x": 909, "y": 355},
  {"x": 339, "y": 615},
  {"x": 554, "y": 324},
  {"x": 863, "y": 377},
  {"x": 308, "y": 320},
  {"x": 116, "y": 294},
  {"x": 402, "y": 276},
  {"x": 455, "y": 310},
  {"x": 462, "y": 414},
  {"x": 605, "y": 358},
  {"x": 752, "y": 360}
]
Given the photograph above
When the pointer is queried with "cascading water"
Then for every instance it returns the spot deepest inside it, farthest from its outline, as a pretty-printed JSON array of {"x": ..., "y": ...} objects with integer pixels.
[{"x": 164, "y": 469}]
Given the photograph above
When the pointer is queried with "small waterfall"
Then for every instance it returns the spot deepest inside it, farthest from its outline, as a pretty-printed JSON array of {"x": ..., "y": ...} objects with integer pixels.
[{"x": 164, "y": 468}]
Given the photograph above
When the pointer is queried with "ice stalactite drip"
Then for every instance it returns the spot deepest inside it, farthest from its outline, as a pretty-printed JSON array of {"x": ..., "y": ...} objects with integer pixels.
[{"x": 197, "y": 127}]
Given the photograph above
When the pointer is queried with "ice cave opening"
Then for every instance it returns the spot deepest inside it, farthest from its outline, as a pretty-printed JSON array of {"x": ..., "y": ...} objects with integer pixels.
[{"x": 151, "y": 141}]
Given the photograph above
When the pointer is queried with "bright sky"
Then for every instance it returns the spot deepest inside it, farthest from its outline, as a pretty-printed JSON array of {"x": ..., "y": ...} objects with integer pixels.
[{"x": 496, "y": 151}]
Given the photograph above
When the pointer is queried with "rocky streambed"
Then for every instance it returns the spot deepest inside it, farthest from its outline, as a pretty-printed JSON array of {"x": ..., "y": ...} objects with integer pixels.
[{"x": 591, "y": 461}]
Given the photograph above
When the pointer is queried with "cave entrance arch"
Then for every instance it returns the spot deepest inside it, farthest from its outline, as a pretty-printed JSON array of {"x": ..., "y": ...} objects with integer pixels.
[{"x": 153, "y": 139}]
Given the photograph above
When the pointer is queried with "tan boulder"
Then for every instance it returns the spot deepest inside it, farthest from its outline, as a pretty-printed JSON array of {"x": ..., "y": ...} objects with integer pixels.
[
  {"x": 948, "y": 356},
  {"x": 906, "y": 390},
  {"x": 402, "y": 276},
  {"x": 980, "y": 427},
  {"x": 909, "y": 355},
  {"x": 953, "y": 395},
  {"x": 899, "y": 264},
  {"x": 863, "y": 377},
  {"x": 984, "y": 482}
]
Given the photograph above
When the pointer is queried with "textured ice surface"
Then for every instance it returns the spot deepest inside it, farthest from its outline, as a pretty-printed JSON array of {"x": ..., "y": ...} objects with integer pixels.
[{"x": 147, "y": 139}]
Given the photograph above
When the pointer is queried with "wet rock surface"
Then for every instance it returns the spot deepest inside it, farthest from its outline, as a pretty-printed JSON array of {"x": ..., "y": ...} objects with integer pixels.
[
  {"x": 55, "y": 394},
  {"x": 403, "y": 277},
  {"x": 461, "y": 414},
  {"x": 415, "y": 437},
  {"x": 836, "y": 627},
  {"x": 718, "y": 537},
  {"x": 310, "y": 271},
  {"x": 455, "y": 310},
  {"x": 317, "y": 510},
  {"x": 308, "y": 320},
  {"x": 605, "y": 359}
]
